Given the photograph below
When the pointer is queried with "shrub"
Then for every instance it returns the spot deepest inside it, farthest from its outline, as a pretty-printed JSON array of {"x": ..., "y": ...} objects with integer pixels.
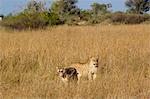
[
  {"x": 85, "y": 15},
  {"x": 95, "y": 19},
  {"x": 129, "y": 18},
  {"x": 28, "y": 20},
  {"x": 24, "y": 21},
  {"x": 53, "y": 19}
]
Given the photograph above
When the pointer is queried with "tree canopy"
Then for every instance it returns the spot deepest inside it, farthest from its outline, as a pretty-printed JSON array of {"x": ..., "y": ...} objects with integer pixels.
[
  {"x": 99, "y": 8},
  {"x": 65, "y": 7},
  {"x": 138, "y": 6},
  {"x": 35, "y": 6}
]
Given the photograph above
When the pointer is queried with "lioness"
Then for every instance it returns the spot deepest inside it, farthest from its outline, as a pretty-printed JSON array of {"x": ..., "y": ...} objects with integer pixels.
[
  {"x": 68, "y": 74},
  {"x": 88, "y": 70}
]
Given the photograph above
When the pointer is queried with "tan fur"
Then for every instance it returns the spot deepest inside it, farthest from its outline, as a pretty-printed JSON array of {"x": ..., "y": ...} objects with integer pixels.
[{"x": 87, "y": 70}]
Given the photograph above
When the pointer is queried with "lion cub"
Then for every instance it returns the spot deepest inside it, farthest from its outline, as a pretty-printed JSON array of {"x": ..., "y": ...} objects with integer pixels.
[
  {"x": 88, "y": 69},
  {"x": 68, "y": 75}
]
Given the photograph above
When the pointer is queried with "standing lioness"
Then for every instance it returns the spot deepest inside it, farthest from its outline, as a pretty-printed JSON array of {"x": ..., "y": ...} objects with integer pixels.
[{"x": 88, "y": 70}]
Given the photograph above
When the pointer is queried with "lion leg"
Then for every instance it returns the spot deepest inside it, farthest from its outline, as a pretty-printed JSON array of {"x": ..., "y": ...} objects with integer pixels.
[
  {"x": 94, "y": 76},
  {"x": 79, "y": 78},
  {"x": 90, "y": 77}
]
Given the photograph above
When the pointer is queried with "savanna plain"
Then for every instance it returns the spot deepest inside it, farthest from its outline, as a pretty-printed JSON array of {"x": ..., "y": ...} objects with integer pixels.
[{"x": 28, "y": 61}]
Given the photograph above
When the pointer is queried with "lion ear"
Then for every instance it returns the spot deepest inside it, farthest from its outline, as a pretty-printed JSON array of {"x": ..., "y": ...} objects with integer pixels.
[
  {"x": 91, "y": 57},
  {"x": 97, "y": 57},
  {"x": 57, "y": 68}
]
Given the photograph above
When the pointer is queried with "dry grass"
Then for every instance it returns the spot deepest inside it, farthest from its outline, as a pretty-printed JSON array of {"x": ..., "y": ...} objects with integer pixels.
[{"x": 28, "y": 60}]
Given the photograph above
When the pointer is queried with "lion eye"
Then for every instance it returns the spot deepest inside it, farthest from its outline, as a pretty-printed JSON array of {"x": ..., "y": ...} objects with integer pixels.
[
  {"x": 60, "y": 71},
  {"x": 94, "y": 64}
]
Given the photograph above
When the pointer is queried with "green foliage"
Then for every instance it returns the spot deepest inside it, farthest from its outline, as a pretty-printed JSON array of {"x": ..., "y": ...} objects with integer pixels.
[
  {"x": 53, "y": 19},
  {"x": 98, "y": 8},
  {"x": 65, "y": 7},
  {"x": 99, "y": 18},
  {"x": 137, "y": 6},
  {"x": 85, "y": 14},
  {"x": 71, "y": 20},
  {"x": 98, "y": 13},
  {"x": 57, "y": 7},
  {"x": 31, "y": 20},
  {"x": 33, "y": 17},
  {"x": 25, "y": 21},
  {"x": 129, "y": 18},
  {"x": 34, "y": 6},
  {"x": 66, "y": 12}
]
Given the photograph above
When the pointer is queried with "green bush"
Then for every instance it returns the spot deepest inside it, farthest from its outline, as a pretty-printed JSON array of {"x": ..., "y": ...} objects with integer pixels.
[
  {"x": 129, "y": 18},
  {"x": 95, "y": 19},
  {"x": 85, "y": 15},
  {"x": 28, "y": 20},
  {"x": 53, "y": 19},
  {"x": 24, "y": 21}
]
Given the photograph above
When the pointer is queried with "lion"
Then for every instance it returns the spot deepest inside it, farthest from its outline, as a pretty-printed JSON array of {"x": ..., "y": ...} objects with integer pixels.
[
  {"x": 88, "y": 69},
  {"x": 68, "y": 75}
]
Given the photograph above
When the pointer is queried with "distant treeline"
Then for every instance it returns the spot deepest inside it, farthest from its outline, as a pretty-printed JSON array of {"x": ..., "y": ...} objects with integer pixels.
[{"x": 37, "y": 15}]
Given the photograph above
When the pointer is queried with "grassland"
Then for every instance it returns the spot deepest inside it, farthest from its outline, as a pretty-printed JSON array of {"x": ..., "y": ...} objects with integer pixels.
[{"x": 28, "y": 60}]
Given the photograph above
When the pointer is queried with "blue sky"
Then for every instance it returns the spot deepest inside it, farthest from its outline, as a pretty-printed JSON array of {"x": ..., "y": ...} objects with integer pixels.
[{"x": 14, "y": 6}]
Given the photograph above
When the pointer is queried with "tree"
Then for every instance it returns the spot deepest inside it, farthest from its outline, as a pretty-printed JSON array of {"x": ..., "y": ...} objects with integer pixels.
[
  {"x": 65, "y": 7},
  {"x": 138, "y": 6},
  {"x": 34, "y": 6},
  {"x": 99, "y": 8},
  {"x": 85, "y": 14}
]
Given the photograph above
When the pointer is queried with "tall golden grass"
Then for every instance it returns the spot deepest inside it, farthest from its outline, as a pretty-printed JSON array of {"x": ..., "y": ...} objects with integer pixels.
[{"x": 28, "y": 60}]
